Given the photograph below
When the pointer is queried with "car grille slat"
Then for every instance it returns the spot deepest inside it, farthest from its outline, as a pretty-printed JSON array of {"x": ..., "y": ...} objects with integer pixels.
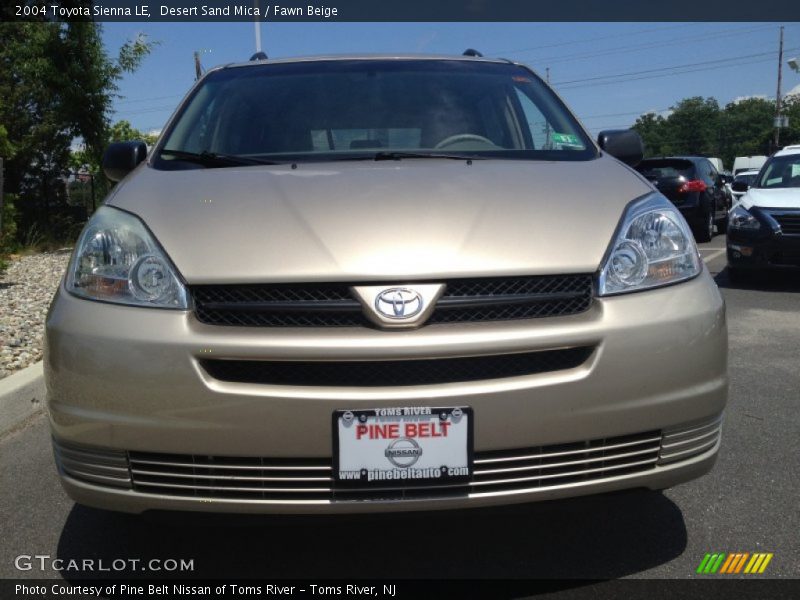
[
  {"x": 228, "y": 477},
  {"x": 689, "y": 440},
  {"x": 238, "y": 468},
  {"x": 395, "y": 373},
  {"x": 567, "y": 464},
  {"x": 569, "y": 453},
  {"x": 582, "y": 472},
  {"x": 334, "y": 305},
  {"x": 227, "y": 488},
  {"x": 94, "y": 465}
]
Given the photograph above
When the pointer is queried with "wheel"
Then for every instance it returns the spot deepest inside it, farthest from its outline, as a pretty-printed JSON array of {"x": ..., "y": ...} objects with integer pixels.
[{"x": 704, "y": 228}]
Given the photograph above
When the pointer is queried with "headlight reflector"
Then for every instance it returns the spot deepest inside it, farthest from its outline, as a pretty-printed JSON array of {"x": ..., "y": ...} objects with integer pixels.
[
  {"x": 653, "y": 247},
  {"x": 117, "y": 260},
  {"x": 741, "y": 218}
]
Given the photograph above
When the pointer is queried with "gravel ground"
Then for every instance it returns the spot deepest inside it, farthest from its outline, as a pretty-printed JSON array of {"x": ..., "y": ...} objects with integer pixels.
[{"x": 26, "y": 288}]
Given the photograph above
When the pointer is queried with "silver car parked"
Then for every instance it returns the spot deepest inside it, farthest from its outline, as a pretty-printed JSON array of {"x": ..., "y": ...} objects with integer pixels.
[{"x": 350, "y": 284}]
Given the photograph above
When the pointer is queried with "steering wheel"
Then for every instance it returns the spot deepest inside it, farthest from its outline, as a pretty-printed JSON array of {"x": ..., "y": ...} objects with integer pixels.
[{"x": 464, "y": 137}]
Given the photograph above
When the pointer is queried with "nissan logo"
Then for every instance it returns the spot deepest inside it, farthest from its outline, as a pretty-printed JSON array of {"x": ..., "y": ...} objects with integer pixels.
[
  {"x": 403, "y": 452},
  {"x": 398, "y": 303}
]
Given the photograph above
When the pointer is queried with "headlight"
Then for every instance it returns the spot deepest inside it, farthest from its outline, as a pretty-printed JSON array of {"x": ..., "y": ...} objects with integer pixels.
[
  {"x": 118, "y": 260},
  {"x": 741, "y": 218},
  {"x": 653, "y": 247}
]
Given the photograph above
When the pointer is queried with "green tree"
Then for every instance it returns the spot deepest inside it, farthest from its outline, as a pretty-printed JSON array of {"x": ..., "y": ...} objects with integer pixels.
[
  {"x": 694, "y": 126},
  {"x": 746, "y": 128},
  {"x": 57, "y": 84},
  {"x": 653, "y": 129},
  {"x": 791, "y": 108}
]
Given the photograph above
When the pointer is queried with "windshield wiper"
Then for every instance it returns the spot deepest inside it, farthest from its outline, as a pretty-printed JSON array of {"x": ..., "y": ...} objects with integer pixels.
[
  {"x": 212, "y": 159},
  {"x": 398, "y": 155}
]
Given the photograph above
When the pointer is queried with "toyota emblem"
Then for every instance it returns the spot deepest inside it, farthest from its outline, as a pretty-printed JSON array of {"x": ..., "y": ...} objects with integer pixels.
[{"x": 398, "y": 303}]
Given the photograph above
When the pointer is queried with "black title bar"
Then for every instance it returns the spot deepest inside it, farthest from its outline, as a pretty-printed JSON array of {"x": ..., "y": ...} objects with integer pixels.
[{"x": 407, "y": 10}]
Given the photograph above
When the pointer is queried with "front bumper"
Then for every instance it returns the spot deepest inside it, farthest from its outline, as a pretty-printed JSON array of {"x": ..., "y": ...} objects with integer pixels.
[
  {"x": 126, "y": 384},
  {"x": 770, "y": 250}
]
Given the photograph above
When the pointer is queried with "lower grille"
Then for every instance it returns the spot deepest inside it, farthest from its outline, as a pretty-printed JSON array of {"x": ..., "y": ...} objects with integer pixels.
[
  {"x": 312, "y": 480},
  {"x": 98, "y": 466},
  {"x": 681, "y": 443},
  {"x": 395, "y": 373},
  {"x": 786, "y": 256}
]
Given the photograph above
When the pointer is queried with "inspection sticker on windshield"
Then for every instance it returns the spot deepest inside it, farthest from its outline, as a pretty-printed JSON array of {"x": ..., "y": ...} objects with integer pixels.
[
  {"x": 402, "y": 444},
  {"x": 566, "y": 139}
]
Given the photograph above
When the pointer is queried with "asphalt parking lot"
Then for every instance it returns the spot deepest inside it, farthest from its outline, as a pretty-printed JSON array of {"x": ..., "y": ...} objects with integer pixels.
[{"x": 749, "y": 503}]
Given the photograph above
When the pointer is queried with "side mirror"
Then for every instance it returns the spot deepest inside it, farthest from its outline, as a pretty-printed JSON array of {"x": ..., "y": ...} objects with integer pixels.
[
  {"x": 120, "y": 158},
  {"x": 740, "y": 186},
  {"x": 623, "y": 144}
]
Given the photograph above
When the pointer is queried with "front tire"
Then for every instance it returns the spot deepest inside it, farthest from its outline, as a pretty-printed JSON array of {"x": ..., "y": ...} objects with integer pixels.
[
  {"x": 704, "y": 228},
  {"x": 722, "y": 224}
]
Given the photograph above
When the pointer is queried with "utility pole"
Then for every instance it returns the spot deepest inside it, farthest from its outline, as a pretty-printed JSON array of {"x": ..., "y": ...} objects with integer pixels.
[
  {"x": 198, "y": 70},
  {"x": 257, "y": 25},
  {"x": 778, "y": 116}
]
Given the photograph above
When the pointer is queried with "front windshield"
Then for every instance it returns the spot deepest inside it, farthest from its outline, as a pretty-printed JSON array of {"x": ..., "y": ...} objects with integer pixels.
[
  {"x": 781, "y": 172},
  {"x": 349, "y": 109},
  {"x": 746, "y": 179}
]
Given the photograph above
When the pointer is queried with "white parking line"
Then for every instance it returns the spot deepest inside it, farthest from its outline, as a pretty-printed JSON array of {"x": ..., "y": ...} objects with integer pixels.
[{"x": 711, "y": 257}]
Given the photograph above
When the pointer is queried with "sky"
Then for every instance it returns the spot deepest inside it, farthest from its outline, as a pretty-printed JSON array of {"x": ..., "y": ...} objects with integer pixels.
[{"x": 608, "y": 73}]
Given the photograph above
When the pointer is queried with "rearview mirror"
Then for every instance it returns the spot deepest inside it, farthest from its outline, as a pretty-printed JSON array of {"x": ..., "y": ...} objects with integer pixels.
[
  {"x": 740, "y": 186},
  {"x": 120, "y": 158},
  {"x": 623, "y": 144}
]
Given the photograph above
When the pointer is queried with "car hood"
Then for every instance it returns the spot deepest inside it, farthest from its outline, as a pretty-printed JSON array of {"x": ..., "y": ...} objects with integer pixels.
[
  {"x": 393, "y": 220},
  {"x": 772, "y": 198}
]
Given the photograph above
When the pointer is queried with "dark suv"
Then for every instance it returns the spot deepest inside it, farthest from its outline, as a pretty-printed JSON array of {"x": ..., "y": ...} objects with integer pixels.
[{"x": 694, "y": 186}]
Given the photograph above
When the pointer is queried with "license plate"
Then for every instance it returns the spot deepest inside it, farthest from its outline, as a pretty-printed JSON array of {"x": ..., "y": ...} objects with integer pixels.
[{"x": 402, "y": 444}]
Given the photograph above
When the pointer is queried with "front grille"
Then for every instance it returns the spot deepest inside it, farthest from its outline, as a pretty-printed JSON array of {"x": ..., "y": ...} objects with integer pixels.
[
  {"x": 333, "y": 305},
  {"x": 687, "y": 441},
  {"x": 93, "y": 465},
  {"x": 277, "y": 305},
  {"x": 789, "y": 222},
  {"x": 395, "y": 373},
  {"x": 311, "y": 480},
  {"x": 786, "y": 257},
  {"x": 504, "y": 299}
]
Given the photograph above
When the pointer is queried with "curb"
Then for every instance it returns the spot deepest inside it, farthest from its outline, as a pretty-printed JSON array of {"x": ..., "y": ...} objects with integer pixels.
[{"x": 21, "y": 395}]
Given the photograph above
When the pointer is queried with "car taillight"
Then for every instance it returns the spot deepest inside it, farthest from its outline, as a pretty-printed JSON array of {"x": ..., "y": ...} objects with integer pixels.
[{"x": 695, "y": 185}]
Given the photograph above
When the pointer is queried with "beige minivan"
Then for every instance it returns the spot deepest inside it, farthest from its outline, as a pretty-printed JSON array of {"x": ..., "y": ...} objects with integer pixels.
[{"x": 380, "y": 283}]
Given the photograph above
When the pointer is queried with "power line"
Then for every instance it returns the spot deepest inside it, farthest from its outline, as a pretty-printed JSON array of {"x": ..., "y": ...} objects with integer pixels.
[
  {"x": 626, "y": 114},
  {"x": 141, "y": 111},
  {"x": 659, "y": 75},
  {"x": 593, "y": 39},
  {"x": 127, "y": 100},
  {"x": 669, "y": 68},
  {"x": 650, "y": 45}
]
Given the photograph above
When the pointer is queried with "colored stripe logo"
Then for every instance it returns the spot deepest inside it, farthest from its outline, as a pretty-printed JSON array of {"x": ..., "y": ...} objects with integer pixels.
[{"x": 735, "y": 562}]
